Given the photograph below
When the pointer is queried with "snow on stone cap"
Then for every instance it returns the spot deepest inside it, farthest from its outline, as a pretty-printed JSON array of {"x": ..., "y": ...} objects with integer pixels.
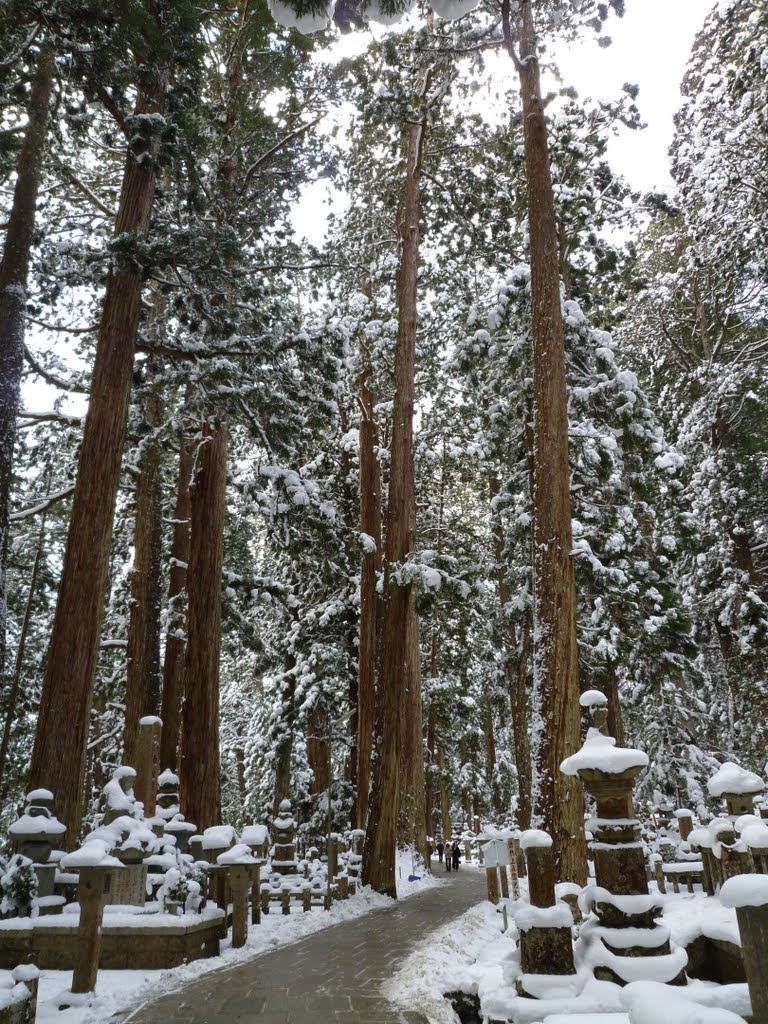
[
  {"x": 94, "y": 853},
  {"x": 255, "y": 835},
  {"x": 37, "y": 825},
  {"x": 239, "y": 854},
  {"x": 650, "y": 1002},
  {"x": 701, "y": 837},
  {"x": 168, "y": 778},
  {"x": 756, "y": 836},
  {"x": 218, "y": 836},
  {"x": 593, "y": 699},
  {"x": 730, "y": 778},
  {"x": 150, "y": 720},
  {"x": 535, "y": 839},
  {"x": 25, "y": 972},
  {"x": 745, "y": 891},
  {"x": 683, "y": 812},
  {"x": 38, "y": 794},
  {"x": 558, "y": 916},
  {"x": 600, "y": 753}
]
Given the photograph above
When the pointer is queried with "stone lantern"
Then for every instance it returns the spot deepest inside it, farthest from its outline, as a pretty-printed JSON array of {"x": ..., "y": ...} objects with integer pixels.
[
  {"x": 620, "y": 900},
  {"x": 737, "y": 786},
  {"x": 284, "y": 836}
]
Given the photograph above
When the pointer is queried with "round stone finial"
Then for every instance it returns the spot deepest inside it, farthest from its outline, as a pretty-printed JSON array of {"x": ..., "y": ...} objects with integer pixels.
[
  {"x": 285, "y": 806},
  {"x": 593, "y": 699}
]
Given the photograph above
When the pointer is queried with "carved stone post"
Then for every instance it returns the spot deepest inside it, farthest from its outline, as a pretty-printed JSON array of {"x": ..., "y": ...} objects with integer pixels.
[
  {"x": 748, "y": 894},
  {"x": 92, "y": 891},
  {"x": 148, "y": 763},
  {"x": 240, "y": 883}
]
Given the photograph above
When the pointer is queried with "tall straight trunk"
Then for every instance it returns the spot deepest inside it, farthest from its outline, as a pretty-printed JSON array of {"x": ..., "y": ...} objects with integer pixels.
[
  {"x": 14, "y": 271},
  {"x": 284, "y": 744},
  {"x": 445, "y": 803},
  {"x": 58, "y": 758},
  {"x": 200, "y": 791},
  {"x": 317, "y": 751},
  {"x": 13, "y": 694},
  {"x": 143, "y": 685},
  {"x": 381, "y": 836},
  {"x": 516, "y": 670},
  {"x": 490, "y": 756},
  {"x": 555, "y": 652},
  {"x": 412, "y": 823},
  {"x": 429, "y": 774},
  {"x": 175, "y": 640},
  {"x": 370, "y": 524}
]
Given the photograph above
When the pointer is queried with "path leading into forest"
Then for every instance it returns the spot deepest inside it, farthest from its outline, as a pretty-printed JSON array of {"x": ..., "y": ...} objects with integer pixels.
[{"x": 332, "y": 977}]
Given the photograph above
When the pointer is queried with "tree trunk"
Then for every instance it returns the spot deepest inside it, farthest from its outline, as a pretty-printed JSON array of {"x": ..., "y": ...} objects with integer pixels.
[
  {"x": 490, "y": 756},
  {"x": 516, "y": 670},
  {"x": 13, "y": 695},
  {"x": 429, "y": 780},
  {"x": 317, "y": 751},
  {"x": 175, "y": 639},
  {"x": 412, "y": 825},
  {"x": 143, "y": 685},
  {"x": 200, "y": 792},
  {"x": 379, "y": 851},
  {"x": 370, "y": 524},
  {"x": 555, "y": 651},
  {"x": 284, "y": 745},
  {"x": 14, "y": 270},
  {"x": 445, "y": 803},
  {"x": 58, "y": 759}
]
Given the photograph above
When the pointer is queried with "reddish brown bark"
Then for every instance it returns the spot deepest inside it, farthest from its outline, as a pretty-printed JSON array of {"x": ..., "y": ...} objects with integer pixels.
[
  {"x": 397, "y": 637},
  {"x": 200, "y": 794},
  {"x": 14, "y": 271},
  {"x": 555, "y": 651},
  {"x": 175, "y": 640},
  {"x": 370, "y": 524},
  {"x": 58, "y": 759},
  {"x": 143, "y": 683}
]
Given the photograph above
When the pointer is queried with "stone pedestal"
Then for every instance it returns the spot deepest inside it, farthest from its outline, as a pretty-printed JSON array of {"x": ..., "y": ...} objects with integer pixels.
[
  {"x": 129, "y": 886},
  {"x": 240, "y": 883},
  {"x": 284, "y": 847}
]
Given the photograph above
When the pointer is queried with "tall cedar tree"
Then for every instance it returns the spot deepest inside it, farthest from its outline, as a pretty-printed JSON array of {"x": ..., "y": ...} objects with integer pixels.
[
  {"x": 555, "y": 651},
  {"x": 58, "y": 758}
]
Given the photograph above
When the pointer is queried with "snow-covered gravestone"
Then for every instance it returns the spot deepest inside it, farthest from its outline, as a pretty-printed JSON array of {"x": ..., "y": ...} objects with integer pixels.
[
  {"x": 620, "y": 900},
  {"x": 239, "y": 862},
  {"x": 284, "y": 835},
  {"x": 256, "y": 838},
  {"x": 95, "y": 868},
  {"x": 748, "y": 894}
]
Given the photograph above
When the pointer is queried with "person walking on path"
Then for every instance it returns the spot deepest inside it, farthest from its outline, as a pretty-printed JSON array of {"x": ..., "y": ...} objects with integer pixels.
[
  {"x": 456, "y": 856},
  {"x": 447, "y": 856},
  {"x": 439, "y": 849}
]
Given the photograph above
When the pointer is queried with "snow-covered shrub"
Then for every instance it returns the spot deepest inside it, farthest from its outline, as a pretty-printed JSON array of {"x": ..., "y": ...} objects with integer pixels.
[{"x": 18, "y": 886}]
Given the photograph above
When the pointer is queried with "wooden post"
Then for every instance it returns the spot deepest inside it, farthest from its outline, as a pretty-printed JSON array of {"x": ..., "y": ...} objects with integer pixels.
[
  {"x": 753, "y": 929},
  {"x": 504, "y": 881},
  {"x": 492, "y": 879},
  {"x": 239, "y": 882},
  {"x": 256, "y": 894},
  {"x": 306, "y": 898},
  {"x": 265, "y": 899},
  {"x": 541, "y": 876},
  {"x": 685, "y": 823},
  {"x": 333, "y": 858},
  {"x": 147, "y": 763},
  {"x": 92, "y": 891},
  {"x": 513, "y": 847},
  {"x": 659, "y": 872},
  {"x": 285, "y": 900}
]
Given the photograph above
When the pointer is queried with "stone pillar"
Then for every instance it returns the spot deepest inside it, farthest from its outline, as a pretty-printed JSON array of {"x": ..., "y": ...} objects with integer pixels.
[
  {"x": 256, "y": 894},
  {"x": 513, "y": 845},
  {"x": 492, "y": 880},
  {"x": 748, "y": 895},
  {"x": 684, "y": 822},
  {"x": 545, "y": 927},
  {"x": 239, "y": 882},
  {"x": 148, "y": 763},
  {"x": 503, "y": 878},
  {"x": 284, "y": 836},
  {"x": 92, "y": 891},
  {"x": 333, "y": 857}
]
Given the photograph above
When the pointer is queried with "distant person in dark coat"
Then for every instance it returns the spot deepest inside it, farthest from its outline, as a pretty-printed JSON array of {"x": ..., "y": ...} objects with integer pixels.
[
  {"x": 439, "y": 849},
  {"x": 456, "y": 856}
]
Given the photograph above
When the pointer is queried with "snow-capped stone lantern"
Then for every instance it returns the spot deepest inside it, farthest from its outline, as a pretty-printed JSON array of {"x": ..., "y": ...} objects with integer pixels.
[
  {"x": 608, "y": 773},
  {"x": 620, "y": 900},
  {"x": 284, "y": 836},
  {"x": 737, "y": 786},
  {"x": 167, "y": 795},
  {"x": 37, "y": 829}
]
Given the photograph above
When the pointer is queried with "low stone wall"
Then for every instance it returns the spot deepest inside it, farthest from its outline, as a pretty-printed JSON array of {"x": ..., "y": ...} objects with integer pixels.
[
  {"x": 149, "y": 946},
  {"x": 18, "y": 997}
]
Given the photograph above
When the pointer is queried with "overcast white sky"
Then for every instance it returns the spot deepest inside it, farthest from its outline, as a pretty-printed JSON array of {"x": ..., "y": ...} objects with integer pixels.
[
  {"x": 651, "y": 44},
  {"x": 650, "y": 48}
]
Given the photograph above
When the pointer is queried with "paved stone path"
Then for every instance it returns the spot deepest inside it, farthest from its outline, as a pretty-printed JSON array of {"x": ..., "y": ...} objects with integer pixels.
[{"x": 331, "y": 977}]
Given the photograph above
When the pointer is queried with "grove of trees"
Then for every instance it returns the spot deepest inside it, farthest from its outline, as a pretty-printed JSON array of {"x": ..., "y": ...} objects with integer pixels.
[{"x": 359, "y": 520}]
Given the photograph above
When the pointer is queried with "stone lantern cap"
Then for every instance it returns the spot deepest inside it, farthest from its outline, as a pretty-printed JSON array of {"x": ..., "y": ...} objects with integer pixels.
[
  {"x": 239, "y": 854},
  {"x": 94, "y": 853},
  {"x": 593, "y": 699},
  {"x": 745, "y": 891},
  {"x": 730, "y": 779},
  {"x": 219, "y": 837},
  {"x": 600, "y": 753},
  {"x": 36, "y": 825},
  {"x": 284, "y": 819},
  {"x": 255, "y": 835}
]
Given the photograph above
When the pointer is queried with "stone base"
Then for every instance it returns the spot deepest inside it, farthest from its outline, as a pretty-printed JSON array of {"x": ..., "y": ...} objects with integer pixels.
[
  {"x": 128, "y": 887},
  {"x": 715, "y": 960},
  {"x": 546, "y": 951},
  {"x": 151, "y": 947}
]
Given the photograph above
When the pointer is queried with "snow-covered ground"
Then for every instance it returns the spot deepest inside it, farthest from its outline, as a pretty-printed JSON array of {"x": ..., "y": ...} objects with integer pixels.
[
  {"x": 473, "y": 956},
  {"x": 119, "y": 992}
]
